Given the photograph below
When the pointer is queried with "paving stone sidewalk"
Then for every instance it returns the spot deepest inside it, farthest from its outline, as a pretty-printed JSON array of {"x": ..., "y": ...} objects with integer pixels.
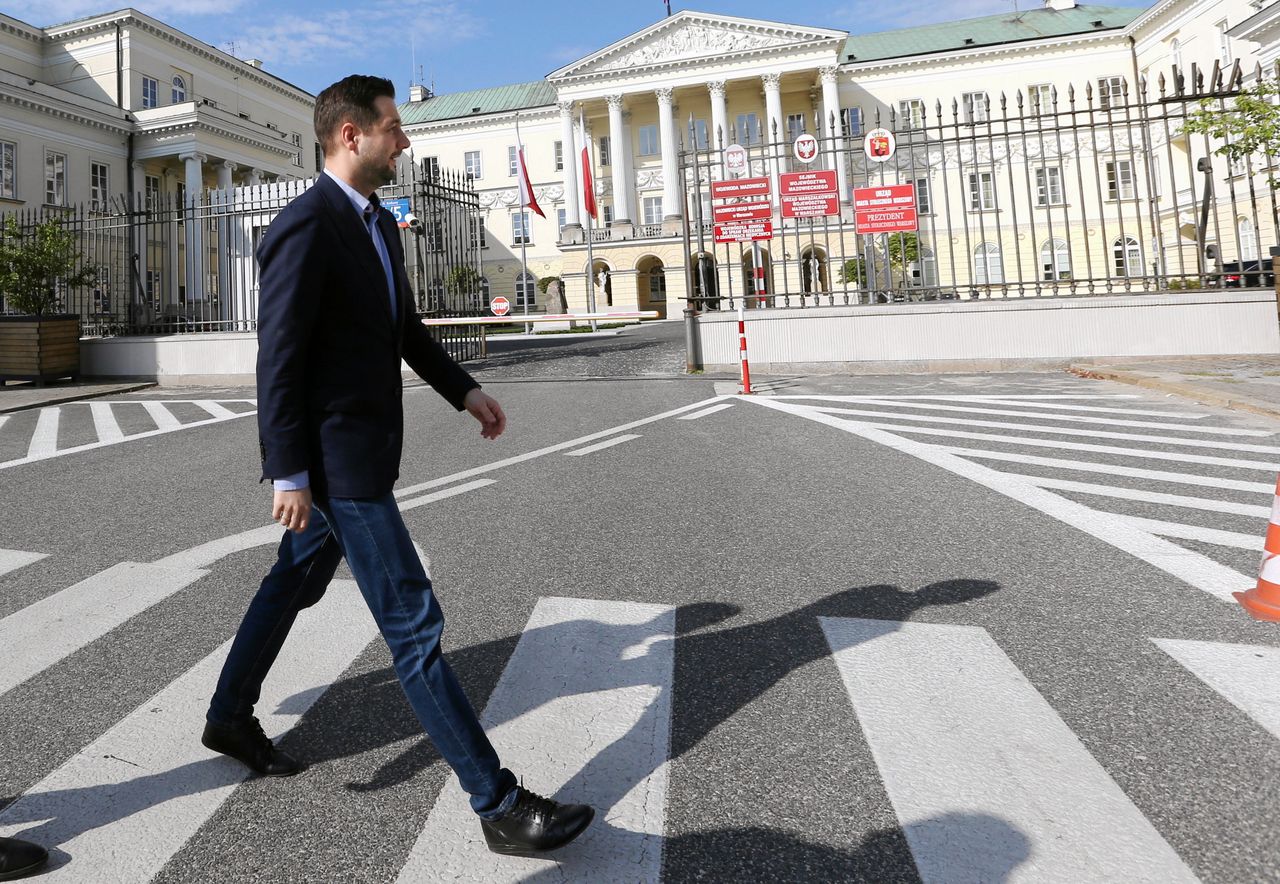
[
  {"x": 20, "y": 396},
  {"x": 1244, "y": 383}
]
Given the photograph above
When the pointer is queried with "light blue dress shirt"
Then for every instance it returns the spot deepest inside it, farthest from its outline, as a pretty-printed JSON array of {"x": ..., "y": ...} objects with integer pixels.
[{"x": 368, "y": 212}]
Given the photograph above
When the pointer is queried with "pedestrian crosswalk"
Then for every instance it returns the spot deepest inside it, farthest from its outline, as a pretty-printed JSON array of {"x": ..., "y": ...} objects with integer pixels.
[
  {"x": 986, "y": 779},
  {"x": 1088, "y": 489},
  {"x": 59, "y": 430},
  {"x": 982, "y": 762}
]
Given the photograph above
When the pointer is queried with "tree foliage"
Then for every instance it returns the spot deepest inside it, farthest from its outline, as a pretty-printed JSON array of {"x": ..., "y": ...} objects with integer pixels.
[
  {"x": 463, "y": 280},
  {"x": 1251, "y": 125},
  {"x": 34, "y": 262},
  {"x": 855, "y": 271},
  {"x": 904, "y": 249}
]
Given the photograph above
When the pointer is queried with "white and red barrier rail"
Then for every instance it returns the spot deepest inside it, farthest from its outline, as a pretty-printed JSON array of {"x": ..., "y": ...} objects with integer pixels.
[{"x": 520, "y": 318}]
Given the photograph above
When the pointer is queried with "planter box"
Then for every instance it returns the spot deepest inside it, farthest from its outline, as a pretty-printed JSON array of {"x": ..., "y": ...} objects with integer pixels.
[{"x": 39, "y": 348}]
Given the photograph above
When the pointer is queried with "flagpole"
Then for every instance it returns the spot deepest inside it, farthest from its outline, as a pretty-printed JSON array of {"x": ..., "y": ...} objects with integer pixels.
[
  {"x": 588, "y": 181},
  {"x": 524, "y": 238}
]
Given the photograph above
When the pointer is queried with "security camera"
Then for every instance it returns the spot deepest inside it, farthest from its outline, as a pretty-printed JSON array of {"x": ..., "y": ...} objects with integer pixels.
[{"x": 414, "y": 222}]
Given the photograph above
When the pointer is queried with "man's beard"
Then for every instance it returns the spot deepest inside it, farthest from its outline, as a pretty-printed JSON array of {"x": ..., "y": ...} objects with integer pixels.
[{"x": 383, "y": 173}]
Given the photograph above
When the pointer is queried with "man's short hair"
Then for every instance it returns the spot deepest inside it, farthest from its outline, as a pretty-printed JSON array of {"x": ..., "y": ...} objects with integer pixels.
[{"x": 349, "y": 100}]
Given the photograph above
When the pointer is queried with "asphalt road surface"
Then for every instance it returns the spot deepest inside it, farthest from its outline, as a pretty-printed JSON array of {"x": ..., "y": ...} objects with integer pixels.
[{"x": 939, "y": 628}]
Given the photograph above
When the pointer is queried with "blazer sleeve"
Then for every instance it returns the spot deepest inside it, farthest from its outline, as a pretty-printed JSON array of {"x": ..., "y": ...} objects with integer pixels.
[
  {"x": 292, "y": 269},
  {"x": 430, "y": 361}
]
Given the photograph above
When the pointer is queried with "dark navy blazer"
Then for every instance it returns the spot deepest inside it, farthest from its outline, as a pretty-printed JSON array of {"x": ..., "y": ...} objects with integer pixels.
[{"x": 329, "y": 382}]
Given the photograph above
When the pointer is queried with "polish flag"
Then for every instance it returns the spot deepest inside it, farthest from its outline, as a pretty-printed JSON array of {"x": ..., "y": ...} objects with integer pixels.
[
  {"x": 527, "y": 200},
  {"x": 588, "y": 186}
]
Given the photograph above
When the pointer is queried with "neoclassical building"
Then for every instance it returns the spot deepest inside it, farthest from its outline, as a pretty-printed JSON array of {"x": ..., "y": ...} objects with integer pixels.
[
  {"x": 1112, "y": 198},
  {"x": 94, "y": 107}
]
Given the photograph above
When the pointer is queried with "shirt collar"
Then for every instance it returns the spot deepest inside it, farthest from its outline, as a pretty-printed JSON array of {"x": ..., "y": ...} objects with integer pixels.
[{"x": 359, "y": 200}]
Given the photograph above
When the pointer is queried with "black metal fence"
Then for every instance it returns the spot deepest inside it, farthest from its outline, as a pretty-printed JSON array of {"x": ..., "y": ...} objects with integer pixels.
[
  {"x": 171, "y": 265},
  {"x": 1096, "y": 189}
]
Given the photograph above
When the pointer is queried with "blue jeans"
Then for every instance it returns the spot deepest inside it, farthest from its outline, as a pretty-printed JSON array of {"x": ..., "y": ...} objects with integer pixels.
[{"x": 372, "y": 536}]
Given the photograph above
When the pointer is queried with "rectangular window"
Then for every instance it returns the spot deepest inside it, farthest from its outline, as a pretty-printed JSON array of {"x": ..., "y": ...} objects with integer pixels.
[
  {"x": 296, "y": 138},
  {"x": 520, "y": 232},
  {"x": 911, "y": 114},
  {"x": 795, "y": 126},
  {"x": 8, "y": 170},
  {"x": 560, "y": 219},
  {"x": 604, "y": 150},
  {"x": 1120, "y": 180},
  {"x": 648, "y": 141},
  {"x": 1049, "y": 186},
  {"x": 319, "y": 157},
  {"x": 55, "y": 178},
  {"x": 471, "y": 161},
  {"x": 982, "y": 191},
  {"x": 478, "y": 238},
  {"x": 431, "y": 168},
  {"x": 701, "y": 135},
  {"x": 975, "y": 107},
  {"x": 1224, "y": 44},
  {"x": 748, "y": 129},
  {"x": 1110, "y": 92},
  {"x": 924, "y": 203},
  {"x": 151, "y": 190},
  {"x": 652, "y": 210},
  {"x": 1040, "y": 99},
  {"x": 99, "y": 186},
  {"x": 513, "y": 163},
  {"x": 559, "y": 156},
  {"x": 435, "y": 236},
  {"x": 150, "y": 92},
  {"x": 851, "y": 122},
  {"x": 606, "y": 213}
]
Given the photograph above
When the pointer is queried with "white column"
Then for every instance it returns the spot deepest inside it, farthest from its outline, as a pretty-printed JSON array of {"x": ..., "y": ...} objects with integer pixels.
[
  {"x": 225, "y": 170},
  {"x": 629, "y": 169},
  {"x": 618, "y": 145},
  {"x": 718, "y": 138},
  {"x": 831, "y": 106},
  {"x": 255, "y": 177},
  {"x": 193, "y": 166},
  {"x": 672, "y": 189},
  {"x": 773, "y": 122},
  {"x": 572, "y": 196}
]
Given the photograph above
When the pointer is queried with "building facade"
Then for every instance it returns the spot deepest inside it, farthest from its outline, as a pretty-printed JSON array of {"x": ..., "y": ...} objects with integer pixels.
[{"x": 1042, "y": 152}]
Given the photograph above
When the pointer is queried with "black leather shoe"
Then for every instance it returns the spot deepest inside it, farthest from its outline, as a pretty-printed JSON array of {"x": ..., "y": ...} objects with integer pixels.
[
  {"x": 535, "y": 825},
  {"x": 20, "y": 858},
  {"x": 247, "y": 743}
]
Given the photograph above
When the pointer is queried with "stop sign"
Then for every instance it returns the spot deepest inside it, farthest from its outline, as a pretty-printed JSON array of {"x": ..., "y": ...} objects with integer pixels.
[{"x": 500, "y": 306}]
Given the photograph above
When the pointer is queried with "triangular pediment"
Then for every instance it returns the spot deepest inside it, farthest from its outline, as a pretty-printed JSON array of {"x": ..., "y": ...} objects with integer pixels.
[{"x": 688, "y": 36}]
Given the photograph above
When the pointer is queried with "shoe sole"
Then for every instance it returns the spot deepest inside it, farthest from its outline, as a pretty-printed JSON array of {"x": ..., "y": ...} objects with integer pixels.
[
  {"x": 261, "y": 773},
  {"x": 503, "y": 850},
  {"x": 15, "y": 874}
]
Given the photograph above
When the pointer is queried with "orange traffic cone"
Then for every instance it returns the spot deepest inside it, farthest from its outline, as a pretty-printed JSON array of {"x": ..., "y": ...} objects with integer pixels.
[{"x": 1263, "y": 601}]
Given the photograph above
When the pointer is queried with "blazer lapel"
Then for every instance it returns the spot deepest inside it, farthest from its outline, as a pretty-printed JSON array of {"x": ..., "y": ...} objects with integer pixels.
[
  {"x": 355, "y": 236},
  {"x": 395, "y": 251}
]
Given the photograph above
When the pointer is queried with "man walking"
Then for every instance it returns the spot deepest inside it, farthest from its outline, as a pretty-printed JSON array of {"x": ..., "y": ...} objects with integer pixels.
[{"x": 334, "y": 320}]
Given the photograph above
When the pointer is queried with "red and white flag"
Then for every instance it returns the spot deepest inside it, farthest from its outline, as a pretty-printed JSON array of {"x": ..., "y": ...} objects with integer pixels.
[
  {"x": 527, "y": 199},
  {"x": 588, "y": 185}
]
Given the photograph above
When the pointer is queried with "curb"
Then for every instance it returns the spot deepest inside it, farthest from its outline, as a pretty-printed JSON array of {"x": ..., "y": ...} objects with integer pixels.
[
  {"x": 1189, "y": 391},
  {"x": 62, "y": 398}
]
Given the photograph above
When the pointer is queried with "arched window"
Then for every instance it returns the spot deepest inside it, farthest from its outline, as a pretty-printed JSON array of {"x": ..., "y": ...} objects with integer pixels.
[
  {"x": 179, "y": 90},
  {"x": 1248, "y": 239},
  {"x": 988, "y": 268},
  {"x": 1055, "y": 260},
  {"x": 526, "y": 290},
  {"x": 1126, "y": 256},
  {"x": 1175, "y": 54}
]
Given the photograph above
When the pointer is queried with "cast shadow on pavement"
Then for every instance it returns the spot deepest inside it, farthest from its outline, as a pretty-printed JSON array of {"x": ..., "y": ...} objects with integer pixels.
[{"x": 717, "y": 673}]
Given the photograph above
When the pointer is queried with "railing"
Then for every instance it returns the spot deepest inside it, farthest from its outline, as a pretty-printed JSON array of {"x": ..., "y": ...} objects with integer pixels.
[
  {"x": 1085, "y": 192},
  {"x": 171, "y": 267}
]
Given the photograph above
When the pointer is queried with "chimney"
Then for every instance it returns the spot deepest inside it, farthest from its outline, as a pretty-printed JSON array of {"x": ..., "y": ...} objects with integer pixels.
[
  {"x": 419, "y": 93},
  {"x": 1060, "y": 5},
  {"x": 254, "y": 63}
]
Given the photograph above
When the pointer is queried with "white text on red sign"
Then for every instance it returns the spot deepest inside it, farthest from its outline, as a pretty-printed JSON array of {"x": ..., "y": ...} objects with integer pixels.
[
  {"x": 739, "y": 187},
  {"x": 742, "y": 212}
]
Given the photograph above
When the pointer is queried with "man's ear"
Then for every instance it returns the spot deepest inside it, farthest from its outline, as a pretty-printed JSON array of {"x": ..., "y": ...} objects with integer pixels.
[{"x": 347, "y": 133}]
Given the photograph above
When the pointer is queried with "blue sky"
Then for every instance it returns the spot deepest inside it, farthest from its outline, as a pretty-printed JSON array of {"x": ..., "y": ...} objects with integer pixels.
[{"x": 466, "y": 45}]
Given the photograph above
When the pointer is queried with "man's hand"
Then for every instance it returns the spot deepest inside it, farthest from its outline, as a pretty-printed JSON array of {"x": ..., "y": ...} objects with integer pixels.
[
  {"x": 292, "y": 509},
  {"x": 486, "y": 409}
]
